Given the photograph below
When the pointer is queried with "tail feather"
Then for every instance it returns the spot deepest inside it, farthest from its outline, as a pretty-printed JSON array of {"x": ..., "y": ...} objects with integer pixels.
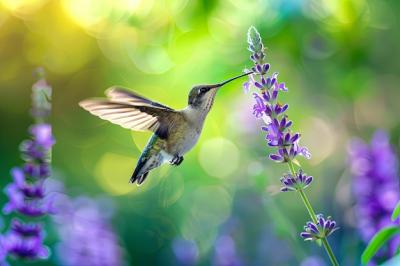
[
  {"x": 138, "y": 175},
  {"x": 149, "y": 159}
]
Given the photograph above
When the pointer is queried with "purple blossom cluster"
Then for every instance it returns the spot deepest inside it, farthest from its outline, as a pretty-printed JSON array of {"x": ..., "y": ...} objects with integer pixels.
[
  {"x": 319, "y": 230},
  {"x": 27, "y": 194},
  {"x": 376, "y": 185},
  {"x": 86, "y": 234},
  {"x": 277, "y": 125},
  {"x": 295, "y": 182}
]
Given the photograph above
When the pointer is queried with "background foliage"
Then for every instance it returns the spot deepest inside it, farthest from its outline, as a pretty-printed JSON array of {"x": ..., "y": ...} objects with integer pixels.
[{"x": 338, "y": 59}]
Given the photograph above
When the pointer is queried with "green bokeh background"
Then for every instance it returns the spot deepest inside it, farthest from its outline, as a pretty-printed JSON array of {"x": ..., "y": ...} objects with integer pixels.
[{"x": 338, "y": 58}]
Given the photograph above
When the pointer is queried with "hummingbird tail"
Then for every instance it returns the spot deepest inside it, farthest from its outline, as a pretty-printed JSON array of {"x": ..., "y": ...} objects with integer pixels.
[
  {"x": 149, "y": 159},
  {"x": 139, "y": 179},
  {"x": 138, "y": 175}
]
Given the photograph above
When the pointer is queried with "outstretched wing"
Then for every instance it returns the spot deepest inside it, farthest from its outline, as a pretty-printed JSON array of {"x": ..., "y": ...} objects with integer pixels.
[
  {"x": 118, "y": 94},
  {"x": 131, "y": 111}
]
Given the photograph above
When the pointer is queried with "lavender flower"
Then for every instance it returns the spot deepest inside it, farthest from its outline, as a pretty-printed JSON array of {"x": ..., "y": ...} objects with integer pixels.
[
  {"x": 279, "y": 135},
  {"x": 86, "y": 235},
  {"x": 376, "y": 185},
  {"x": 278, "y": 126},
  {"x": 27, "y": 194},
  {"x": 185, "y": 251},
  {"x": 296, "y": 182},
  {"x": 323, "y": 228},
  {"x": 225, "y": 252}
]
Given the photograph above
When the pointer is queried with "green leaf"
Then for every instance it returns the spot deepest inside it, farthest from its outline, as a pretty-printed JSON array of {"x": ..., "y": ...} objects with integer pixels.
[
  {"x": 396, "y": 212},
  {"x": 380, "y": 238}
]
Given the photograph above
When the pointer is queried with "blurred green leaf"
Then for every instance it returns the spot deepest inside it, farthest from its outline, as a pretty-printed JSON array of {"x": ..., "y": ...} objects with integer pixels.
[
  {"x": 396, "y": 212},
  {"x": 377, "y": 242}
]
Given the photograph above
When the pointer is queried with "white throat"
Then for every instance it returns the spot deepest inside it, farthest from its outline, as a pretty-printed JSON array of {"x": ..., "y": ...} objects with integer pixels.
[{"x": 195, "y": 115}]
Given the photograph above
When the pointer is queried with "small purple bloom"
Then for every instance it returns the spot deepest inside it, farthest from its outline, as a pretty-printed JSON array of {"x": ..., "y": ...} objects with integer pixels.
[
  {"x": 323, "y": 228},
  {"x": 293, "y": 183},
  {"x": 259, "y": 107},
  {"x": 246, "y": 87},
  {"x": 25, "y": 247},
  {"x": 42, "y": 135}
]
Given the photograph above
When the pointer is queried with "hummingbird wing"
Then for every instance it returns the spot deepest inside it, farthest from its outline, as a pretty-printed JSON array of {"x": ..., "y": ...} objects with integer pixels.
[
  {"x": 131, "y": 111},
  {"x": 118, "y": 94}
]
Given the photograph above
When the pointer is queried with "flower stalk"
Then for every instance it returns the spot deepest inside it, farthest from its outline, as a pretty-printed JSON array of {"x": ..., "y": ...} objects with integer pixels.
[{"x": 279, "y": 135}]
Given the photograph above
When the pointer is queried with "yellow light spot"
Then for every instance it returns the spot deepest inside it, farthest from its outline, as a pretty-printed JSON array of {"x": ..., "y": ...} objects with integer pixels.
[
  {"x": 23, "y": 7},
  {"x": 97, "y": 14},
  {"x": 320, "y": 147},
  {"x": 219, "y": 157},
  {"x": 113, "y": 171},
  {"x": 151, "y": 59}
]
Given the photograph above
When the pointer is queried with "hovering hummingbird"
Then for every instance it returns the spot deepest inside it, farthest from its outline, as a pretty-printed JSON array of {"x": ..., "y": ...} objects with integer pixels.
[{"x": 175, "y": 131}]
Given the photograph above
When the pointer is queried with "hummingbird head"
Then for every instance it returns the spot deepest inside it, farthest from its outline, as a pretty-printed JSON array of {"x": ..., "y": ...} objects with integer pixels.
[{"x": 202, "y": 96}]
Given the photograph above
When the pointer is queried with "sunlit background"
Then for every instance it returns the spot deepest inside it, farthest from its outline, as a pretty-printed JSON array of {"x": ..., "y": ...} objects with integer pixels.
[{"x": 339, "y": 60}]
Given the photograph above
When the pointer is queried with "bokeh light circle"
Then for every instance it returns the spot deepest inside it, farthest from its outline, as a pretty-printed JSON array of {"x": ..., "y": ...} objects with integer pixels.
[{"x": 219, "y": 157}]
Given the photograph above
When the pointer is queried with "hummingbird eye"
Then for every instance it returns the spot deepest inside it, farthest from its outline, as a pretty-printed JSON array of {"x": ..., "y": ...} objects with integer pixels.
[{"x": 202, "y": 90}]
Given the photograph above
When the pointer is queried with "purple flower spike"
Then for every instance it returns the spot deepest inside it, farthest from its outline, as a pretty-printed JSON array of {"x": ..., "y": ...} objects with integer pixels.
[
  {"x": 26, "y": 195},
  {"x": 86, "y": 235},
  {"x": 376, "y": 186},
  {"x": 267, "y": 105},
  {"x": 323, "y": 228},
  {"x": 294, "y": 183},
  {"x": 282, "y": 139}
]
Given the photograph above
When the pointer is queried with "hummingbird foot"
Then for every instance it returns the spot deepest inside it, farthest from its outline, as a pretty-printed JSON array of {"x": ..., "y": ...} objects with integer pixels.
[{"x": 177, "y": 160}]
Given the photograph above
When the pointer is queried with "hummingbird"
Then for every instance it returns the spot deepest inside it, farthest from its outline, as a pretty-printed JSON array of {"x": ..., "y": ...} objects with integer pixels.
[{"x": 175, "y": 132}]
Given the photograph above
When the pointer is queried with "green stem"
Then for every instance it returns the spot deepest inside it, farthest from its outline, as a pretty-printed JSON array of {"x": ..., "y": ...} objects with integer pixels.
[
  {"x": 330, "y": 252},
  {"x": 314, "y": 217}
]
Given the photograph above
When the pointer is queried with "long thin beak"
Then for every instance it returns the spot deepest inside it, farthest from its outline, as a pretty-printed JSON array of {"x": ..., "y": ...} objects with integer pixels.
[{"x": 227, "y": 81}]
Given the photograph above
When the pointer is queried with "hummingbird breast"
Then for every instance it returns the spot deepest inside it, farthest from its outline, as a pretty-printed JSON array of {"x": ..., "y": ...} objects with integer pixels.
[
  {"x": 185, "y": 134},
  {"x": 182, "y": 140}
]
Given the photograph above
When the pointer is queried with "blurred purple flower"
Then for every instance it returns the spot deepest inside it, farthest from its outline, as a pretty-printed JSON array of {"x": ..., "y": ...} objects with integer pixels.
[
  {"x": 313, "y": 261},
  {"x": 27, "y": 194},
  {"x": 225, "y": 252},
  {"x": 376, "y": 184},
  {"x": 185, "y": 251},
  {"x": 86, "y": 235},
  {"x": 267, "y": 106},
  {"x": 323, "y": 228}
]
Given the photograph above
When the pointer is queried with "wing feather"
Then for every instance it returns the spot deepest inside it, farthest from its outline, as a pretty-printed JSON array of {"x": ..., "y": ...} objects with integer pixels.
[
  {"x": 130, "y": 110},
  {"x": 119, "y": 94}
]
